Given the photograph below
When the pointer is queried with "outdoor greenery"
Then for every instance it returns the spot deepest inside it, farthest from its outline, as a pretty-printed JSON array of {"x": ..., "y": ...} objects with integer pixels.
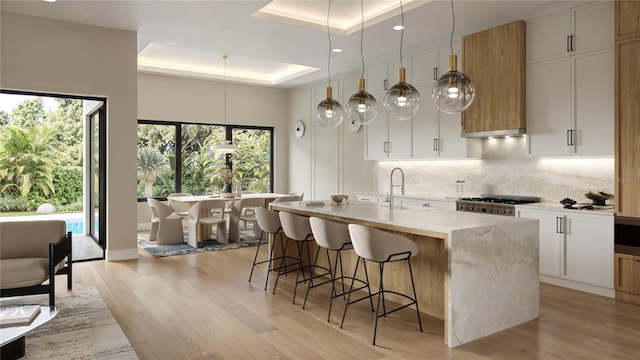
[
  {"x": 203, "y": 170},
  {"x": 41, "y": 156}
]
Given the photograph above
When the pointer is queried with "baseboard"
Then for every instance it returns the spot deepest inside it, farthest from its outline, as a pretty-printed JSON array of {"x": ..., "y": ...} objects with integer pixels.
[
  {"x": 610, "y": 293},
  {"x": 120, "y": 255}
]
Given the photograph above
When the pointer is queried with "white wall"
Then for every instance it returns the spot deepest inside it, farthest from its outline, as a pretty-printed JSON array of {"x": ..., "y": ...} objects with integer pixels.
[
  {"x": 52, "y": 56},
  {"x": 327, "y": 161}
]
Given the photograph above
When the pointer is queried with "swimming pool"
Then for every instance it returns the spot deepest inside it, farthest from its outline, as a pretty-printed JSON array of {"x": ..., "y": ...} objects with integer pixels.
[{"x": 76, "y": 226}]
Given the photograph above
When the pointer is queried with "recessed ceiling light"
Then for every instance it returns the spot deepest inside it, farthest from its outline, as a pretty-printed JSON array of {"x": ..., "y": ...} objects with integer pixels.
[
  {"x": 336, "y": 50},
  {"x": 398, "y": 27},
  {"x": 50, "y": 0}
]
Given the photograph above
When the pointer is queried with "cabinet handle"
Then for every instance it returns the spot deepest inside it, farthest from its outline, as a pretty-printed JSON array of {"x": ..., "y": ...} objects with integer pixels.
[
  {"x": 568, "y": 43},
  {"x": 559, "y": 225},
  {"x": 568, "y": 140},
  {"x": 387, "y": 147},
  {"x": 572, "y": 138},
  {"x": 385, "y": 84},
  {"x": 435, "y": 73},
  {"x": 572, "y": 49},
  {"x": 435, "y": 144}
]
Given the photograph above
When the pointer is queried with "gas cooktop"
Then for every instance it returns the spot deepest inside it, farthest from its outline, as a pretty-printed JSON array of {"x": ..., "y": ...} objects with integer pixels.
[
  {"x": 511, "y": 200},
  {"x": 494, "y": 204}
]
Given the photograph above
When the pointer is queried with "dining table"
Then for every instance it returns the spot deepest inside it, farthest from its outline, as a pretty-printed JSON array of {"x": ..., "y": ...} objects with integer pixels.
[{"x": 204, "y": 231}]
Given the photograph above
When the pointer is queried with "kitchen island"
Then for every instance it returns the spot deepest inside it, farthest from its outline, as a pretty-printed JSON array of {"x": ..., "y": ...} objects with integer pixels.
[{"x": 477, "y": 272}]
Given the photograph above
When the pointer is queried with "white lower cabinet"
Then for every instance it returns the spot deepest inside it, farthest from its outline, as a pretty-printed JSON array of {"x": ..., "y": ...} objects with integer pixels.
[{"x": 576, "y": 249}]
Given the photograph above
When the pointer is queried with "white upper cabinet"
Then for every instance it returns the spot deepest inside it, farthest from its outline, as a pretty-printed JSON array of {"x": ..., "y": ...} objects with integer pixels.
[
  {"x": 584, "y": 28},
  {"x": 548, "y": 37},
  {"x": 425, "y": 126},
  {"x": 436, "y": 135},
  {"x": 425, "y": 69},
  {"x": 386, "y": 138},
  {"x": 570, "y": 90}
]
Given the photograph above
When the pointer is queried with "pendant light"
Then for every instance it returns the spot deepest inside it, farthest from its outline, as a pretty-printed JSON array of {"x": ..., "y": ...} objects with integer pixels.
[
  {"x": 453, "y": 92},
  {"x": 362, "y": 107},
  {"x": 225, "y": 146},
  {"x": 329, "y": 113},
  {"x": 402, "y": 100}
]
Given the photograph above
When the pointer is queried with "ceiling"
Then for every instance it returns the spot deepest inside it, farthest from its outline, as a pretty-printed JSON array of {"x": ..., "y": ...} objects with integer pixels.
[{"x": 281, "y": 43}]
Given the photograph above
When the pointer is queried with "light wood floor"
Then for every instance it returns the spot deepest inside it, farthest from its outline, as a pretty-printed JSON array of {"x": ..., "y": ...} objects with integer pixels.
[{"x": 202, "y": 307}]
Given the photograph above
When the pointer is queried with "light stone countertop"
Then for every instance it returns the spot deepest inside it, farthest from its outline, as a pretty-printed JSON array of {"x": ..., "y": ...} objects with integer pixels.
[
  {"x": 559, "y": 207},
  {"x": 427, "y": 220}
]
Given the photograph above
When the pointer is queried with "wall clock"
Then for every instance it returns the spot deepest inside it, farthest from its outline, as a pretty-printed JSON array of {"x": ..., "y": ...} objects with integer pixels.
[{"x": 299, "y": 128}]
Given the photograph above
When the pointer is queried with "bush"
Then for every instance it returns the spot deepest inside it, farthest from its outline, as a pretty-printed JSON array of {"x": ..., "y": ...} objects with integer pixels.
[
  {"x": 15, "y": 203},
  {"x": 68, "y": 188}
]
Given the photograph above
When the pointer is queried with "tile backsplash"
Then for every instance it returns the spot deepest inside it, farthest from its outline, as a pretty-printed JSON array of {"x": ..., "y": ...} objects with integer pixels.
[{"x": 506, "y": 170}]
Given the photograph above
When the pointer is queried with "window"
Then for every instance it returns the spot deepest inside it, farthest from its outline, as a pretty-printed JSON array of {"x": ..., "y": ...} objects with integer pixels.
[{"x": 161, "y": 156}]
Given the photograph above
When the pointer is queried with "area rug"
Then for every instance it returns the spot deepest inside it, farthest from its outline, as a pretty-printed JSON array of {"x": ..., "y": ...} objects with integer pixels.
[
  {"x": 83, "y": 329},
  {"x": 246, "y": 240}
]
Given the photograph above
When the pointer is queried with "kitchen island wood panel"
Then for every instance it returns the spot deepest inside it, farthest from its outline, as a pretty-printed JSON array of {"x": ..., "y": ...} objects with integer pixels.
[{"x": 477, "y": 272}]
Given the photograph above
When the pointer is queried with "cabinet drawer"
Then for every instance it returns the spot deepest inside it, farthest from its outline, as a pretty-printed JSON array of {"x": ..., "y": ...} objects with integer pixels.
[{"x": 627, "y": 273}]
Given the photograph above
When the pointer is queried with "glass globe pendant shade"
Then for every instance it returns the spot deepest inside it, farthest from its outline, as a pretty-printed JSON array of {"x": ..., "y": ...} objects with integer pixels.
[
  {"x": 453, "y": 92},
  {"x": 362, "y": 107},
  {"x": 329, "y": 113},
  {"x": 402, "y": 100}
]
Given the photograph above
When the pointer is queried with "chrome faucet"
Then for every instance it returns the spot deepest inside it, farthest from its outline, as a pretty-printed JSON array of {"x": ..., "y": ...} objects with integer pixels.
[{"x": 391, "y": 186}]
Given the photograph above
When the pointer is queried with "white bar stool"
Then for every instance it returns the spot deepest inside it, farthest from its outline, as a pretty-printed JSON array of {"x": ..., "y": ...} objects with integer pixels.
[
  {"x": 383, "y": 247},
  {"x": 334, "y": 236},
  {"x": 297, "y": 228},
  {"x": 269, "y": 223}
]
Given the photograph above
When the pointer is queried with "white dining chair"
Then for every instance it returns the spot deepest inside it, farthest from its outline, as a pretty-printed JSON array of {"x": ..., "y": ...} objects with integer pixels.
[
  {"x": 208, "y": 213},
  {"x": 169, "y": 224},
  {"x": 179, "y": 207},
  {"x": 238, "y": 214}
]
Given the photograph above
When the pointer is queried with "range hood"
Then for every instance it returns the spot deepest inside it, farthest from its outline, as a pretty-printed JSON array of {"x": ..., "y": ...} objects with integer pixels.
[
  {"x": 494, "y": 60},
  {"x": 494, "y": 133}
]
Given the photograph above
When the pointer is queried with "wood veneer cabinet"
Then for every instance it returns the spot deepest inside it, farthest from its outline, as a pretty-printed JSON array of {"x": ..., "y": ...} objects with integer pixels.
[
  {"x": 627, "y": 108},
  {"x": 494, "y": 60},
  {"x": 627, "y": 18},
  {"x": 627, "y": 277}
]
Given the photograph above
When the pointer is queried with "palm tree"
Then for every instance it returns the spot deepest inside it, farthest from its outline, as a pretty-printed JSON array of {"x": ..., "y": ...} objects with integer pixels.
[
  {"x": 25, "y": 159},
  {"x": 151, "y": 164}
]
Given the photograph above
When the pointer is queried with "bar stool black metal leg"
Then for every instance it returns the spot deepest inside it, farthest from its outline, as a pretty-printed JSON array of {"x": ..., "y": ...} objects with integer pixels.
[
  {"x": 380, "y": 294},
  {"x": 332, "y": 273},
  {"x": 300, "y": 269},
  {"x": 366, "y": 276},
  {"x": 270, "y": 268},
  {"x": 284, "y": 265},
  {"x": 353, "y": 279},
  {"x": 256, "y": 256},
  {"x": 310, "y": 284}
]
